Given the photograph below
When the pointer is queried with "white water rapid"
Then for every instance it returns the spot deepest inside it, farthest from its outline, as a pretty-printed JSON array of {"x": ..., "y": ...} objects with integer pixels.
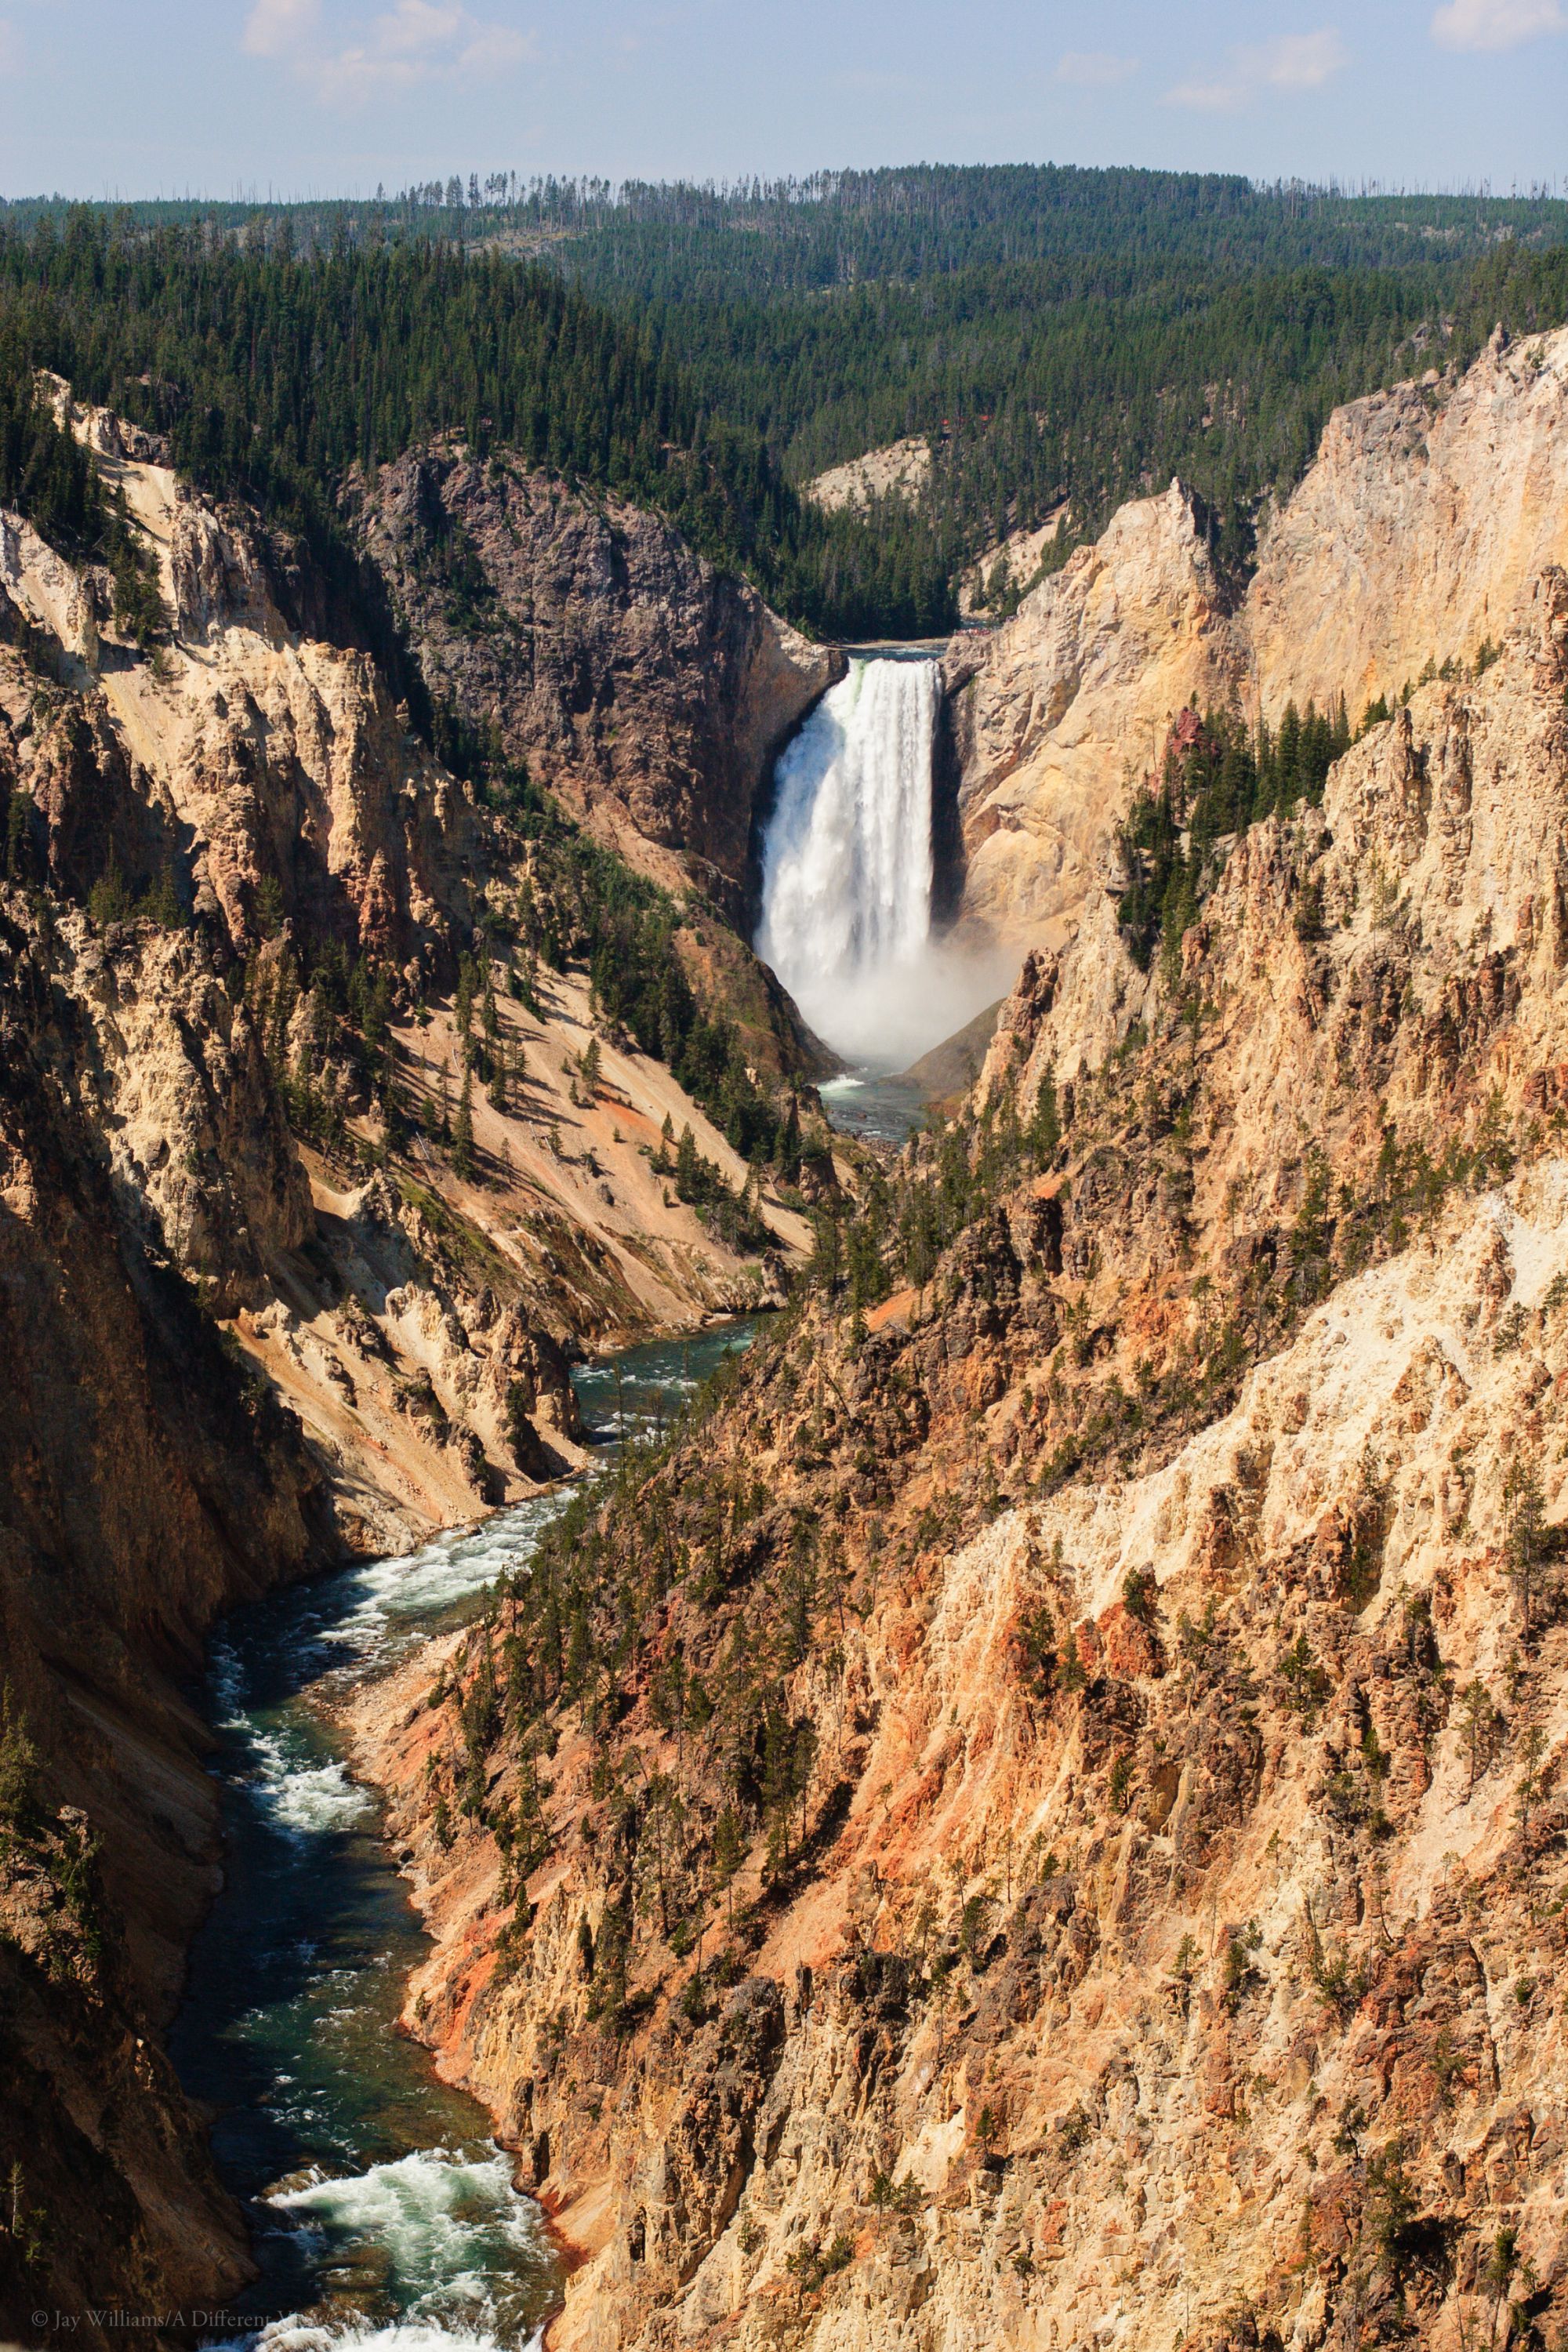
[{"x": 847, "y": 871}]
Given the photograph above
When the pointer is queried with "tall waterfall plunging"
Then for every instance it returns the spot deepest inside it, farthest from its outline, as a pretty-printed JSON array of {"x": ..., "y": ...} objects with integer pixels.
[{"x": 846, "y": 865}]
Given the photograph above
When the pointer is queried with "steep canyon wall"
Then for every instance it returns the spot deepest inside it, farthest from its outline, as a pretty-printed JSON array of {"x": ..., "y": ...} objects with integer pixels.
[
  {"x": 652, "y": 690},
  {"x": 1428, "y": 513},
  {"x": 246, "y": 1340},
  {"x": 1111, "y": 1888}
]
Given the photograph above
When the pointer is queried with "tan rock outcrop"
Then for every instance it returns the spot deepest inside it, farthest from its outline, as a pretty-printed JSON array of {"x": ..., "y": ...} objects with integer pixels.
[
  {"x": 900, "y": 471},
  {"x": 1438, "y": 852},
  {"x": 278, "y": 761},
  {"x": 1058, "y": 717},
  {"x": 1010, "y": 566},
  {"x": 1428, "y": 514},
  {"x": 181, "y": 1092}
]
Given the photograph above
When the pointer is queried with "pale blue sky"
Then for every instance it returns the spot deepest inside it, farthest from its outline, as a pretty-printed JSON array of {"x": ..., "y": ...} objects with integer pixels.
[{"x": 314, "y": 97}]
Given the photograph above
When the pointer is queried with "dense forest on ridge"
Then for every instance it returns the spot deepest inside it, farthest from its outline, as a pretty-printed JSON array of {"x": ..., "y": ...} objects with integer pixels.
[{"x": 1057, "y": 335}]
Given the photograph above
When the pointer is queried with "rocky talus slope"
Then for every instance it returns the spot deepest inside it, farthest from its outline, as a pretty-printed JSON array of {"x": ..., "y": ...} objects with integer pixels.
[
  {"x": 1428, "y": 511},
  {"x": 902, "y": 471},
  {"x": 1040, "y": 1821},
  {"x": 283, "y": 1280}
]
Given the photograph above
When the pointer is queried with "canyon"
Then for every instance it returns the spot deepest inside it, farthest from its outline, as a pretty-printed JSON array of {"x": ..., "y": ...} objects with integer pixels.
[
  {"x": 247, "y": 1348},
  {"x": 1059, "y": 1838},
  {"x": 1034, "y": 1817}
]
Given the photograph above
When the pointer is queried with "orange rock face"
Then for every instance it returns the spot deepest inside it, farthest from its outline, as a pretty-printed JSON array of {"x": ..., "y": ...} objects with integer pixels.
[{"x": 1119, "y": 1897}]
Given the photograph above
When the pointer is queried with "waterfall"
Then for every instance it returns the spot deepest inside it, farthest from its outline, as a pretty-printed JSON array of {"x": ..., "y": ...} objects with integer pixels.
[{"x": 846, "y": 865}]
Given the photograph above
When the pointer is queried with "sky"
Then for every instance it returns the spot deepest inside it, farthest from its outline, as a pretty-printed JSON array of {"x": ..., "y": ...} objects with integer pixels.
[{"x": 324, "y": 97}]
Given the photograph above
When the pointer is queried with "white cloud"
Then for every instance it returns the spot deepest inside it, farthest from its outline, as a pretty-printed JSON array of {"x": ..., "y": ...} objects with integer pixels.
[
  {"x": 1296, "y": 62},
  {"x": 1213, "y": 97},
  {"x": 1094, "y": 68},
  {"x": 492, "y": 49},
  {"x": 413, "y": 41},
  {"x": 10, "y": 47},
  {"x": 1496, "y": 24},
  {"x": 274, "y": 27},
  {"x": 1300, "y": 60},
  {"x": 415, "y": 28}
]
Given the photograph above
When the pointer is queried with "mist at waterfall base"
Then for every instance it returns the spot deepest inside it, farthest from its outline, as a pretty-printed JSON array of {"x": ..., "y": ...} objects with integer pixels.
[{"x": 848, "y": 872}]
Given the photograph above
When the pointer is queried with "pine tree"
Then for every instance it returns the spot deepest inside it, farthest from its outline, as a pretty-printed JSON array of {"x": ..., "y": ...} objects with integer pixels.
[
  {"x": 269, "y": 906},
  {"x": 789, "y": 1143},
  {"x": 463, "y": 1130},
  {"x": 19, "y": 1768},
  {"x": 728, "y": 1853},
  {"x": 1524, "y": 1513},
  {"x": 108, "y": 900},
  {"x": 1478, "y": 1723},
  {"x": 1047, "y": 1125},
  {"x": 19, "y": 839},
  {"x": 162, "y": 903}
]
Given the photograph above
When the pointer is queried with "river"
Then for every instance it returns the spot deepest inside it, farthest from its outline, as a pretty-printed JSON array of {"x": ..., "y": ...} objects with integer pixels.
[
  {"x": 873, "y": 1105},
  {"x": 382, "y": 2212}
]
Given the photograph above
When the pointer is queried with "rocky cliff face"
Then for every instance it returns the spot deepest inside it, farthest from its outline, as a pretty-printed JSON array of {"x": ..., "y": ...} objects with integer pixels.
[
  {"x": 1428, "y": 513},
  {"x": 270, "y": 765},
  {"x": 651, "y": 690},
  {"x": 1056, "y": 718},
  {"x": 1063, "y": 1840},
  {"x": 145, "y": 1486},
  {"x": 265, "y": 782},
  {"x": 1041, "y": 1819}
]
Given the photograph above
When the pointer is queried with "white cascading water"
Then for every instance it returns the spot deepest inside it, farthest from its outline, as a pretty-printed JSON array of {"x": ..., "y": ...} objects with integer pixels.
[{"x": 846, "y": 866}]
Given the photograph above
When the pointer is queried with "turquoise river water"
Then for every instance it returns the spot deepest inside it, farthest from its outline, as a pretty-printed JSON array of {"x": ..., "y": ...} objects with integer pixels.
[{"x": 383, "y": 2214}]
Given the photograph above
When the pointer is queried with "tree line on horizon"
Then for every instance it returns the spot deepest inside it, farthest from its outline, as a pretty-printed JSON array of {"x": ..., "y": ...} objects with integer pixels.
[{"x": 1056, "y": 335}]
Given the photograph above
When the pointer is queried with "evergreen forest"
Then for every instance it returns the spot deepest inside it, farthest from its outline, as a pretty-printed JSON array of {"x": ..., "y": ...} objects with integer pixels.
[{"x": 1059, "y": 337}]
